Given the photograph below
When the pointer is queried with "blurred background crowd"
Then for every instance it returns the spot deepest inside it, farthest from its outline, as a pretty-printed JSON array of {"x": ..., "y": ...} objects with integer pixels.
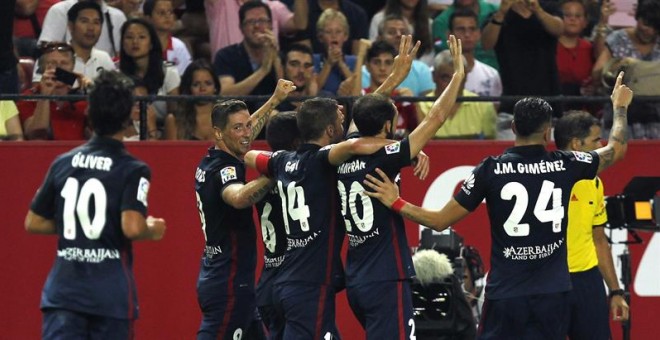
[{"x": 334, "y": 48}]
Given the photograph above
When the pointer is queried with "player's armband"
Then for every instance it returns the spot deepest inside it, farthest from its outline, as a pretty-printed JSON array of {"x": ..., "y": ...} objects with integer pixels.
[{"x": 262, "y": 163}]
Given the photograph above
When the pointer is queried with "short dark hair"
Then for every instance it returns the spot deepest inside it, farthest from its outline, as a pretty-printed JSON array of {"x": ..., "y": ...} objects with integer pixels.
[
  {"x": 79, "y": 6},
  {"x": 223, "y": 109},
  {"x": 574, "y": 124},
  {"x": 314, "y": 116},
  {"x": 462, "y": 13},
  {"x": 249, "y": 5},
  {"x": 380, "y": 47},
  {"x": 148, "y": 7},
  {"x": 110, "y": 103},
  {"x": 296, "y": 48},
  {"x": 282, "y": 131},
  {"x": 392, "y": 17},
  {"x": 649, "y": 11},
  {"x": 530, "y": 115},
  {"x": 371, "y": 111}
]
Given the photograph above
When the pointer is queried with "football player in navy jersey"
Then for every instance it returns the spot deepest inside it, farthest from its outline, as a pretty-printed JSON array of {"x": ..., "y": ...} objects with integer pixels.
[
  {"x": 311, "y": 271},
  {"x": 94, "y": 198},
  {"x": 225, "y": 287},
  {"x": 527, "y": 191},
  {"x": 379, "y": 265},
  {"x": 282, "y": 134}
]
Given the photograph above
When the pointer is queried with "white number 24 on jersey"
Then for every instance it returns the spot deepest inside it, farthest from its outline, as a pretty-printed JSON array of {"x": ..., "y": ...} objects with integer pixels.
[{"x": 549, "y": 195}]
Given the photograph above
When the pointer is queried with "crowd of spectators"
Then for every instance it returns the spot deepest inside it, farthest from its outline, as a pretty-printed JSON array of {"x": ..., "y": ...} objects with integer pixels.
[{"x": 326, "y": 47}]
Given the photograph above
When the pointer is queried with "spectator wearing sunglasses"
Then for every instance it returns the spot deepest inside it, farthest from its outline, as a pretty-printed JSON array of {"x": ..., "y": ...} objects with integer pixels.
[{"x": 55, "y": 119}]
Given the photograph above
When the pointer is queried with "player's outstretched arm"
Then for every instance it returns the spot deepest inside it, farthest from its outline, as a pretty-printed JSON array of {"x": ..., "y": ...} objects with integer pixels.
[
  {"x": 341, "y": 152},
  {"x": 388, "y": 193},
  {"x": 442, "y": 106},
  {"x": 260, "y": 117},
  {"x": 402, "y": 63},
  {"x": 37, "y": 224},
  {"x": 258, "y": 160},
  {"x": 241, "y": 196},
  {"x": 136, "y": 227},
  {"x": 617, "y": 144}
]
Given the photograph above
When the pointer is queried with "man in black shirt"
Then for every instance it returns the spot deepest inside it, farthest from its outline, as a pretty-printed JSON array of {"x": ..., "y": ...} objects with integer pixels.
[
  {"x": 95, "y": 199},
  {"x": 379, "y": 265},
  {"x": 527, "y": 190},
  {"x": 225, "y": 287},
  {"x": 282, "y": 134}
]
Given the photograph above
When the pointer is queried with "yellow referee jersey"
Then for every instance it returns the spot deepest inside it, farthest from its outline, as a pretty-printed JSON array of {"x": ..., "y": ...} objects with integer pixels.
[{"x": 585, "y": 210}]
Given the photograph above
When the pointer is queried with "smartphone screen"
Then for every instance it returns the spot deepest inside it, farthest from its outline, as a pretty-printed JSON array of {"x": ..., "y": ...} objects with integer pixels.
[{"x": 65, "y": 76}]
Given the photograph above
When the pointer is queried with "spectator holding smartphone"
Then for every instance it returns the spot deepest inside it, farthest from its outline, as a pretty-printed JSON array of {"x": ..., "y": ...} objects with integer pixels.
[{"x": 55, "y": 119}]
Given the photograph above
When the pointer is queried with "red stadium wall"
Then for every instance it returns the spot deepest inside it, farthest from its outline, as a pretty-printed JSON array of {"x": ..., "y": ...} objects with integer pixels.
[{"x": 166, "y": 271}]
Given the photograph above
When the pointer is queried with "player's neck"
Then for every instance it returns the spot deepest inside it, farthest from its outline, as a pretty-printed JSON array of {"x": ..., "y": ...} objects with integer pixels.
[
  {"x": 520, "y": 141},
  {"x": 119, "y": 136},
  {"x": 222, "y": 146},
  {"x": 322, "y": 141}
]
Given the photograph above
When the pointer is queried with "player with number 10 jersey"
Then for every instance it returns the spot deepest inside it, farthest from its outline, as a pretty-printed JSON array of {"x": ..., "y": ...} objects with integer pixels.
[{"x": 90, "y": 186}]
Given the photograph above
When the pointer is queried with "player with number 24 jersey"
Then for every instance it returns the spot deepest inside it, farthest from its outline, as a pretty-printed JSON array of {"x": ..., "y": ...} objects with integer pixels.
[{"x": 527, "y": 191}]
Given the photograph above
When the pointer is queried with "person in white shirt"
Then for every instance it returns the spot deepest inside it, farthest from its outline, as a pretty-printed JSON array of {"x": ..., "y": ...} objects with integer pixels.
[
  {"x": 85, "y": 20},
  {"x": 482, "y": 79},
  {"x": 54, "y": 27},
  {"x": 161, "y": 15}
]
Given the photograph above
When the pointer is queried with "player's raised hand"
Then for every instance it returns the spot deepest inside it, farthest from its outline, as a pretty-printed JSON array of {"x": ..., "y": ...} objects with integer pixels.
[
  {"x": 422, "y": 165},
  {"x": 283, "y": 88},
  {"x": 156, "y": 227},
  {"x": 407, "y": 53},
  {"x": 456, "y": 49},
  {"x": 383, "y": 189},
  {"x": 621, "y": 94}
]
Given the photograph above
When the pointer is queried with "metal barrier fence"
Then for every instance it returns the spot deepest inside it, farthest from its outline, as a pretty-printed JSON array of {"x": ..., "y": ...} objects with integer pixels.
[{"x": 144, "y": 100}]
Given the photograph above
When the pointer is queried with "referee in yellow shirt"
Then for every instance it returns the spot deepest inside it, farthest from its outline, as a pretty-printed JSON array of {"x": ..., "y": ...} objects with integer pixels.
[{"x": 589, "y": 256}]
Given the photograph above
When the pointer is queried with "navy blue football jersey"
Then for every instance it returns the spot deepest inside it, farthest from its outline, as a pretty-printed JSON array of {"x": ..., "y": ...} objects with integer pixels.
[
  {"x": 307, "y": 184},
  {"x": 230, "y": 234},
  {"x": 378, "y": 247},
  {"x": 85, "y": 192},
  {"x": 527, "y": 193},
  {"x": 273, "y": 235}
]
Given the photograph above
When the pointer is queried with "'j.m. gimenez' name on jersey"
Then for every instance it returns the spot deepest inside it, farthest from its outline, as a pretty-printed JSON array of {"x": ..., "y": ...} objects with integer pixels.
[
  {"x": 542, "y": 167},
  {"x": 81, "y": 160},
  {"x": 532, "y": 252}
]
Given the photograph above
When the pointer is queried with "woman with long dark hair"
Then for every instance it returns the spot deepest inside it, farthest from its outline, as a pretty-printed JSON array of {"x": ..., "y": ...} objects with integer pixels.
[
  {"x": 192, "y": 119},
  {"x": 141, "y": 57}
]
